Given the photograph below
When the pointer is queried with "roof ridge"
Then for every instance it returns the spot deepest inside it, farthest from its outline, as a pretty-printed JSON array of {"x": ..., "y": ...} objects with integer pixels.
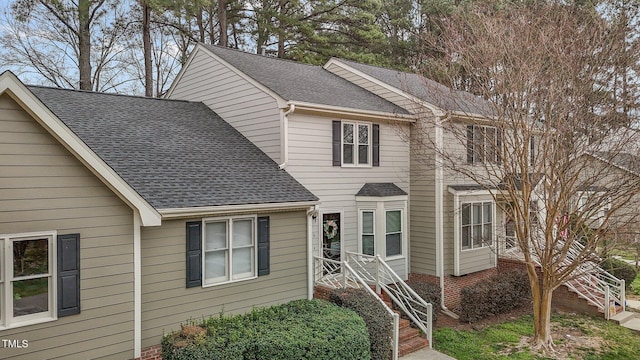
[{"x": 110, "y": 94}]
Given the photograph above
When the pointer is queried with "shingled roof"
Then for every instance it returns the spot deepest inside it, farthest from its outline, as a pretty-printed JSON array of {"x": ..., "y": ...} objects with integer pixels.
[
  {"x": 175, "y": 154},
  {"x": 295, "y": 81},
  {"x": 425, "y": 89}
]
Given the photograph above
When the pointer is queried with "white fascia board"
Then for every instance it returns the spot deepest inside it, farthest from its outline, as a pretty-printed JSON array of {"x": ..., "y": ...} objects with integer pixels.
[
  {"x": 382, "y": 198},
  {"x": 281, "y": 102},
  {"x": 176, "y": 213},
  {"x": 470, "y": 192},
  {"x": 12, "y": 86},
  {"x": 338, "y": 111},
  {"x": 437, "y": 111}
]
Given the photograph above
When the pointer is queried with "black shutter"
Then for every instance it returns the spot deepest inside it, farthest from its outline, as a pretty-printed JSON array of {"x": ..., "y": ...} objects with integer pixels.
[
  {"x": 376, "y": 144},
  {"x": 194, "y": 254},
  {"x": 337, "y": 143},
  {"x": 470, "y": 144},
  {"x": 68, "y": 274},
  {"x": 498, "y": 146},
  {"x": 263, "y": 246},
  {"x": 532, "y": 150}
]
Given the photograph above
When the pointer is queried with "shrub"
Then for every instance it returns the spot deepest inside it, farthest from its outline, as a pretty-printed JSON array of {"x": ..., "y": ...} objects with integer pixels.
[
  {"x": 621, "y": 270},
  {"x": 501, "y": 293},
  {"x": 379, "y": 324},
  {"x": 429, "y": 292},
  {"x": 301, "y": 329}
]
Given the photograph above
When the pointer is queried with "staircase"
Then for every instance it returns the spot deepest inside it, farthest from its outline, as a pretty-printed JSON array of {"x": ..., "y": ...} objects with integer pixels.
[
  {"x": 372, "y": 273},
  {"x": 409, "y": 339},
  {"x": 590, "y": 282}
]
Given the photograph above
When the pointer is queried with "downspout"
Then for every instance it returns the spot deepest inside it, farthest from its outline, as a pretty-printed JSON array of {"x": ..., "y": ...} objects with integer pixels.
[
  {"x": 439, "y": 179},
  {"x": 137, "y": 287},
  {"x": 311, "y": 214},
  {"x": 284, "y": 124}
]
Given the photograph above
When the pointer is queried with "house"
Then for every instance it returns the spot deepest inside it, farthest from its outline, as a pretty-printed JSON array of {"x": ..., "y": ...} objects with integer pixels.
[
  {"x": 122, "y": 217},
  {"x": 345, "y": 144},
  {"x": 302, "y": 116}
]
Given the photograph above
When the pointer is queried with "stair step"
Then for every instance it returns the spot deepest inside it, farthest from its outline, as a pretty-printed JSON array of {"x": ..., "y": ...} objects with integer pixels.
[
  {"x": 404, "y": 323},
  {"x": 412, "y": 345},
  {"x": 407, "y": 334},
  {"x": 623, "y": 317}
]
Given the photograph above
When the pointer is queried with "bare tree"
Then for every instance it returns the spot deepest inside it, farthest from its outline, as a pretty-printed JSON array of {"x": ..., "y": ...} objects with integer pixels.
[
  {"x": 70, "y": 44},
  {"x": 549, "y": 130}
]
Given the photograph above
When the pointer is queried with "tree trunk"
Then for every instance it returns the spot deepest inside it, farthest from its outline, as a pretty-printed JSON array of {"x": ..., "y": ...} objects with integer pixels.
[
  {"x": 222, "y": 21},
  {"x": 281, "y": 32},
  {"x": 541, "y": 293},
  {"x": 84, "y": 44},
  {"x": 146, "y": 45}
]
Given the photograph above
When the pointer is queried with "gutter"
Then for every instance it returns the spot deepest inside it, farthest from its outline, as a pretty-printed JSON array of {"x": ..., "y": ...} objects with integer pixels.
[
  {"x": 137, "y": 286},
  {"x": 312, "y": 213},
  {"x": 177, "y": 213},
  {"x": 284, "y": 135},
  {"x": 344, "y": 111}
]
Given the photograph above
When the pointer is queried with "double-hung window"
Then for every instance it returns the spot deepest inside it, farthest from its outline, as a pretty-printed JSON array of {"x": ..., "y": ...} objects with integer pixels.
[
  {"x": 394, "y": 232},
  {"x": 484, "y": 144},
  {"x": 367, "y": 232},
  {"x": 229, "y": 249},
  {"x": 476, "y": 225},
  {"x": 26, "y": 278},
  {"x": 356, "y": 144}
]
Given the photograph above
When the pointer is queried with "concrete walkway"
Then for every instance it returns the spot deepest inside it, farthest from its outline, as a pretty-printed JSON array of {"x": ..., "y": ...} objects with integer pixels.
[
  {"x": 427, "y": 354},
  {"x": 634, "y": 304}
]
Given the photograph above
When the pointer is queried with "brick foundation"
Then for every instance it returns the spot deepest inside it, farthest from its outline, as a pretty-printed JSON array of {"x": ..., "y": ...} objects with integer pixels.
[
  {"x": 151, "y": 353},
  {"x": 321, "y": 292},
  {"x": 453, "y": 284}
]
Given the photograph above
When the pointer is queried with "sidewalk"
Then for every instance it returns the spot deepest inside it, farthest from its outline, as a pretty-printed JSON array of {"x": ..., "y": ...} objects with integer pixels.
[
  {"x": 427, "y": 354},
  {"x": 634, "y": 304}
]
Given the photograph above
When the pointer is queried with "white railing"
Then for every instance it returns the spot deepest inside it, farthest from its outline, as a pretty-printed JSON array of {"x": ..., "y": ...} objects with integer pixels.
[
  {"x": 376, "y": 271},
  {"x": 591, "y": 282},
  {"x": 336, "y": 274}
]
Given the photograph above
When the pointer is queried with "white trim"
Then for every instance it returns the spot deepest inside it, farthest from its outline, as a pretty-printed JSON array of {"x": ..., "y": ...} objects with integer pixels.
[
  {"x": 229, "y": 220},
  {"x": 311, "y": 213},
  {"x": 340, "y": 111},
  {"x": 437, "y": 111},
  {"x": 176, "y": 213},
  {"x": 137, "y": 286},
  {"x": 360, "y": 222},
  {"x": 439, "y": 203},
  {"x": 382, "y": 198},
  {"x": 470, "y": 192},
  {"x": 356, "y": 144},
  {"x": 321, "y": 231},
  {"x": 199, "y": 47},
  {"x": 403, "y": 244},
  {"x": 456, "y": 234},
  {"x": 11, "y": 85},
  {"x": 7, "y": 320}
]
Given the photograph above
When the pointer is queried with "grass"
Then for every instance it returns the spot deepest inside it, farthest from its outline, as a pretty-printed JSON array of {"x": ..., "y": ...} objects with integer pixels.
[
  {"x": 635, "y": 285},
  {"x": 502, "y": 341}
]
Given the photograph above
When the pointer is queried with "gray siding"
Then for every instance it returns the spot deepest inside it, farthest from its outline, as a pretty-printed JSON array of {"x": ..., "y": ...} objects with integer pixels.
[
  {"x": 310, "y": 162},
  {"x": 166, "y": 302},
  {"x": 250, "y": 110},
  {"x": 42, "y": 188}
]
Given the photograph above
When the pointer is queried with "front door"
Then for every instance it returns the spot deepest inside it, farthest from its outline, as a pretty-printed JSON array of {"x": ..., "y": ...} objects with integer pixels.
[{"x": 331, "y": 244}]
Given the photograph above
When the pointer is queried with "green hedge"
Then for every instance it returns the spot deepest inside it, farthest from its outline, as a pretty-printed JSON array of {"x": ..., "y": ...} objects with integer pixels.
[
  {"x": 621, "y": 270},
  {"x": 301, "y": 329},
  {"x": 502, "y": 293},
  {"x": 379, "y": 322}
]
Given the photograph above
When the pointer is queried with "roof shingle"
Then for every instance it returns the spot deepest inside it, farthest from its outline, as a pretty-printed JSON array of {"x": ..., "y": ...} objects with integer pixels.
[{"x": 175, "y": 154}]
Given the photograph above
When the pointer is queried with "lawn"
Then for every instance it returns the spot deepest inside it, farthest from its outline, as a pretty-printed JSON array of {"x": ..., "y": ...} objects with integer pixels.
[
  {"x": 635, "y": 286},
  {"x": 575, "y": 336}
]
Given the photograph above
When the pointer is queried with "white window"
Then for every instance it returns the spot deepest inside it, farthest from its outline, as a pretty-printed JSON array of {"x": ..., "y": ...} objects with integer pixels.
[
  {"x": 393, "y": 232},
  {"x": 484, "y": 144},
  {"x": 477, "y": 225},
  {"x": 367, "y": 232},
  {"x": 356, "y": 144},
  {"x": 26, "y": 279},
  {"x": 588, "y": 200},
  {"x": 229, "y": 249}
]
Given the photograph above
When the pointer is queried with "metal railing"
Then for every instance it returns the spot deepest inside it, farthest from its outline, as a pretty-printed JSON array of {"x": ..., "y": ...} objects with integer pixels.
[
  {"x": 376, "y": 271},
  {"x": 336, "y": 274},
  {"x": 590, "y": 281}
]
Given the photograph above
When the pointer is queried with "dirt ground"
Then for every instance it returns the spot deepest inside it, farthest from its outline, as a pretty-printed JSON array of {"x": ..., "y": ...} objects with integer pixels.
[{"x": 568, "y": 339}]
